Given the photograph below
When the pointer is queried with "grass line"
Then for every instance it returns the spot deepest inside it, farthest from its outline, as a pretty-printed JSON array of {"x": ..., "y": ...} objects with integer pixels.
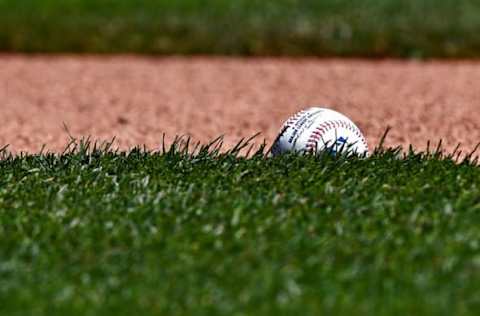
[
  {"x": 370, "y": 28},
  {"x": 195, "y": 230}
]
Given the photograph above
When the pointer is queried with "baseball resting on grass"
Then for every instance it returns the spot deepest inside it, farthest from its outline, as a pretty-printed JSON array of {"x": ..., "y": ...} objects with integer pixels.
[{"x": 320, "y": 129}]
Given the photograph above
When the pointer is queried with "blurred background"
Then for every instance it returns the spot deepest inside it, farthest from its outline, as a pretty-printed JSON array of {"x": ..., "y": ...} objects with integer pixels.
[{"x": 368, "y": 28}]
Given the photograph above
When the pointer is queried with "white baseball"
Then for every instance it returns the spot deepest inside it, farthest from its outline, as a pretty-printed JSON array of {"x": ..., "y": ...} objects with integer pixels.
[{"x": 317, "y": 129}]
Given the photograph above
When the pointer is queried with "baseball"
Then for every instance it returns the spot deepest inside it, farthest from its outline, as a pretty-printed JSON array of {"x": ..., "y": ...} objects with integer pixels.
[{"x": 318, "y": 129}]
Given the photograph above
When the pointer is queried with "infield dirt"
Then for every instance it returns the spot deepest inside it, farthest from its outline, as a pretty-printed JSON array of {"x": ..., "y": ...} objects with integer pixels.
[{"x": 137, "y": 99}]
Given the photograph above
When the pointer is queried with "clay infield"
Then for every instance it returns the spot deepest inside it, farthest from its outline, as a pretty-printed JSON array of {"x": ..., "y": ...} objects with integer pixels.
[{"x": 137, "y": 99}]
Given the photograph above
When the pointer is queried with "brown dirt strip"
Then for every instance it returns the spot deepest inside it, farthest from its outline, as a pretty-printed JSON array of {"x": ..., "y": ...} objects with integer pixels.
[{"x": 137, "y": 99}]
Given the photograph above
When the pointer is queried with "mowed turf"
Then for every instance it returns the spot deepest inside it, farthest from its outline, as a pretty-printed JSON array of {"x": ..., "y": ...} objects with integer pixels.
[
  {"x": 102, "y": 232},
  {"x": 368, "y": 28}
]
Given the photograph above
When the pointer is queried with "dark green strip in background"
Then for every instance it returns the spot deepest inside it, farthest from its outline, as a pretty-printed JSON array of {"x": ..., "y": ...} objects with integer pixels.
[{"x": 368, "y": 28}]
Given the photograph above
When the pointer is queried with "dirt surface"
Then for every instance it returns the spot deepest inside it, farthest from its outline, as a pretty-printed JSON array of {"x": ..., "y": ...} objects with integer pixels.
[{"x": 137, "y": 99}]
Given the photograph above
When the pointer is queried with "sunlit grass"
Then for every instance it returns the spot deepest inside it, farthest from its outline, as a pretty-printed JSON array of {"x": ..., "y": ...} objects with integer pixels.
[{"x": 185, "y": 231}]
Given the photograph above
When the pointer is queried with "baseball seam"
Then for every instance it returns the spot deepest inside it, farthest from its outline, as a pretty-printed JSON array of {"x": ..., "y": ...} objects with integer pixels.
[
  {"x": 293, "y": 119},
  {"x": 320, "y": 130},
  {"x": 290, "y": 122}
]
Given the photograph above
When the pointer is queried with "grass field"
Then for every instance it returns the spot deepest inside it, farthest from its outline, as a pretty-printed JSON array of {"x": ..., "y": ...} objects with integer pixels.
[
  {"x": 371, "y": 28},
  {"x": 102, "y": 232}
]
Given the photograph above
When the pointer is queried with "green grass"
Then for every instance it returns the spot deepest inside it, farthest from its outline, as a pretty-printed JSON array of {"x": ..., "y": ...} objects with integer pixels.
[
  {"x": 100, "y": 232},
  {"x": 369, "y": 28}
]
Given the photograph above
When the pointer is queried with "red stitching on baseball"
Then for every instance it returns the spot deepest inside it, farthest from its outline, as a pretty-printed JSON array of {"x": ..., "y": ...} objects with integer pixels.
[
  {"x": 320, "y": 130},
  {"x": 293, "y": 119}
]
